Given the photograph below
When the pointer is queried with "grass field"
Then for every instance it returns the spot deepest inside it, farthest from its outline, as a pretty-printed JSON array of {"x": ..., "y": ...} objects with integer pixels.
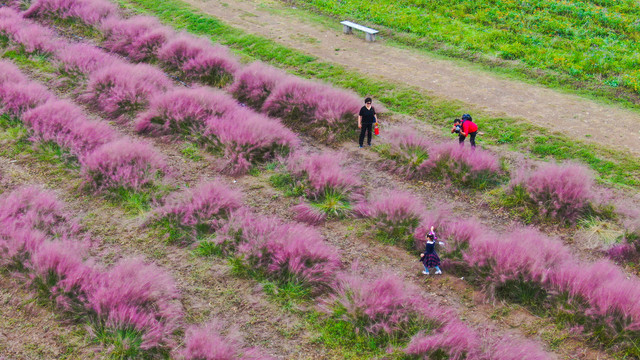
[{"x": 587, "y": 45}]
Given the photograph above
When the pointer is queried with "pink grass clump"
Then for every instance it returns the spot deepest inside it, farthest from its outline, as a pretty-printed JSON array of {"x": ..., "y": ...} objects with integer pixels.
[
  {"x": 83, "y": 59},
  {"x": 123, "y": 88},
  {"x": 407, "y": 150},
  {"x": 611, "y": 296},
  {"x": 324, "y": 172},
  {"x": 31, "y": 207},
  {"x": 18, "y": 97},
  {"x": 59, "y": 268},
  {"x": 136, "y": 295},
  {"x": 511, "y": 348},
  {"x": 199, "y": 60},
  {"x": 247, "y": 138},
  {"x": 525, "y": 254},
  {"x": 208, "y": 342},
  {"x": 10, "y": 73},
  {"x": 31, "y": 36},
  {"x": 138, "y": 37},
  {"x": 35, "y": 38},
  {"x": 185, "y": 111},
  {"x": 290, "y": 251},
  {"x": 88, "y": 11},
  {"x": 65, "y": 124},
  {"x": 396, "y": 212},
  {"x": 313, "y": 107},
  {"x": 454, "y": 338},
  {"x": 122, "y": 164},
  {"x": 205, "y": 205},
  {"x": 254, "y": 83},
  {"x": 559, "y": 191},
  {"x": 469, "y": 167},
  {"x": 308, "y": 214}
]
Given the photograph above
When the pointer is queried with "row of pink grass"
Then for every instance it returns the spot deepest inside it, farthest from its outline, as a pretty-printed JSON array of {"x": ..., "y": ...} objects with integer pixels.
[{"x": 107, "y": 159}]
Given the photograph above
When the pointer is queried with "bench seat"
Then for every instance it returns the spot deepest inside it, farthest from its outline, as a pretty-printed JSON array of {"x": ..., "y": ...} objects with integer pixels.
[{"x": 348, "y": 27}]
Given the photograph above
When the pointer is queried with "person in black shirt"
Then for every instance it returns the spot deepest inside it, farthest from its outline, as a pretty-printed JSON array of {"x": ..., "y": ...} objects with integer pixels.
[{"x": 366, "y": 119}]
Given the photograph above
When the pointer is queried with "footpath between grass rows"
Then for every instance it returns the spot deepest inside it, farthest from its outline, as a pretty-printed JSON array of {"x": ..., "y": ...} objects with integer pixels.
[{"x": 613, "y": 167}]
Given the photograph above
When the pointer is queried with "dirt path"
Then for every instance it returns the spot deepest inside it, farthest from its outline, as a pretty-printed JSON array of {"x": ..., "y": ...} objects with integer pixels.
[{"x": 568, "y": 114}]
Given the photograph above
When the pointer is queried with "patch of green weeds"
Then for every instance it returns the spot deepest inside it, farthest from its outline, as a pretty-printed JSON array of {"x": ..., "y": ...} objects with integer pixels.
[
  {"x": 398, "y": 233},
  {"x": 207, "y": 248},
  {"x": 125, "y": 343},
  {"x": 133, "y": 201},
  {"x": 525, "y": 293},
  {"x": 334, "y": 203},
  {"x": 191, "y": 151},
  {"x": 286, "y": 183},
  {"x": 34, "y": 61}
]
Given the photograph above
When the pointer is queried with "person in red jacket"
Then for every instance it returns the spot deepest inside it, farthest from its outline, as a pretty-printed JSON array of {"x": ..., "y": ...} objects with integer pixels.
[{"x": 465, "y": 128}]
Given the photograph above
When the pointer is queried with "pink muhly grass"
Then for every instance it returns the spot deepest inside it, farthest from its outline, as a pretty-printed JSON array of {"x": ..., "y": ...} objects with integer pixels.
[
  {"x": 622, "y": 252},
  {"x": 203, "y": 206},
  {"x": 382, "y": 304},
  {"x": 31, "y": 207},
  {"x": 288, "y": 252},
  {"x": 199, "y": 60},
  {"x": 324, "y": 172},
  {"x": 139, "y": 296},
  {"x": 407, "y": 149},
  {"x": 60, "y": 273},
  {"x": 65, "y": 124},
  {"x": 522, "y": 254},
  {"x": 185, "y": 111},
  {"x": 609, "y": 293},
  {"x": 298, "y": 251},
  {"x": 396, "y": 214},
  {"x": 18, "y": 97},
  {"x": 138, "y": 37},
  {"x": 10, "y": 73},
  {"x": 254, "y": 83},
  {"x": 122, "y": 163},
  {"x": 83, "y": 59},
  {"x": 559, "y": 191},
  {"x": 247, "y": 138},
  {"x": 36, "y": 38},
  {"x": 124, "y": 88},
  {"x": 305, "y": 105},
  {"x": 510, "y": 348},
  {"x": 308, "y": 214},
  {"x": 88, "y": 11},
  {"x": 469, "y": 167},
  {"x": 207, "y": 342},
  {"x": 17, "y": 244},
  {"x": 454, "y": 338},
  {"x": 32, "y": 37}
]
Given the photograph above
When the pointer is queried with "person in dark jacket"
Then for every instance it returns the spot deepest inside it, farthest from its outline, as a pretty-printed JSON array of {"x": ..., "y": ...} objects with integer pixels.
[
  {"x": 366, "y": 119},
  {"x": 465, "y": 128},
  {"x": 430, "y": 258}
]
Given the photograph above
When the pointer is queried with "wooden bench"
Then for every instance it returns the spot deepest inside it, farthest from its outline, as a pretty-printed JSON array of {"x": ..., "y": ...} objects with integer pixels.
[{"x": 348, "y": 27}]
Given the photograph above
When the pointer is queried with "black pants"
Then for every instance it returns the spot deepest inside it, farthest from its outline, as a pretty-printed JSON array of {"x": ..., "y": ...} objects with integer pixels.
[
  {"x": 472, "y": 138},
  {"x": 368, "y": 129}
]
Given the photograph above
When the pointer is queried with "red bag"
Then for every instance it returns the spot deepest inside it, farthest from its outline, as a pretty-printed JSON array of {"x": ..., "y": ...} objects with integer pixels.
[{"x": 376, "y": 130}]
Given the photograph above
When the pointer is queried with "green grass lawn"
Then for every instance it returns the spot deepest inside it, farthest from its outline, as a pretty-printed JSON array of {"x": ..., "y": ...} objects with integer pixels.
[{"x": 588, "y": 45}]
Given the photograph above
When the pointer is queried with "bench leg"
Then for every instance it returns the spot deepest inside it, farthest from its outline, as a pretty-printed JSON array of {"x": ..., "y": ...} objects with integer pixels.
[
  {"x": 347, "y": 29},
  {"x": 371, "y": 37}
]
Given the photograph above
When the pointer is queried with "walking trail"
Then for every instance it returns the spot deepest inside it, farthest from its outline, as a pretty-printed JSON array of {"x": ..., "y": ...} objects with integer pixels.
[{"x": 568, "y": 114}]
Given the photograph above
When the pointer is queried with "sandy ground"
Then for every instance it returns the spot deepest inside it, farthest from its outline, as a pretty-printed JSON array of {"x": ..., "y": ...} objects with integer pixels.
[{"x": 569, "y": 114}]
